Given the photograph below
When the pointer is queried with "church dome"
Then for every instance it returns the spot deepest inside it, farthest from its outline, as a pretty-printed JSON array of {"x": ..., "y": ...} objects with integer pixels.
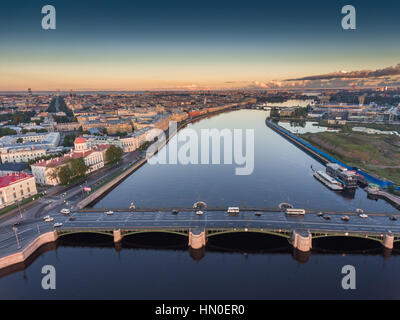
[{"x": 79, "y": 140}]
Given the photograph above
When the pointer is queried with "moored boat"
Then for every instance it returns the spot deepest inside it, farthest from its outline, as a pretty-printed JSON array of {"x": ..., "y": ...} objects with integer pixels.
[{"x": 327, "y": 180}]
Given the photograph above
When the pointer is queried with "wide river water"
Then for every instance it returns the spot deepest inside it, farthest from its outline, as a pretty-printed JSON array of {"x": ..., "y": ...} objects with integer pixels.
[{"x": 241, "y": 266}]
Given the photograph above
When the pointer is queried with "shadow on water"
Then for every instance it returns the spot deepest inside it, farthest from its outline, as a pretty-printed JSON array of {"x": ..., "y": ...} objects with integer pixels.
[
  {"x": 86, "y": 240},
  {"x": 248, "y": 242},
  {"x": 155, "y": 240},
  {"x": 348, "y": 193},
  {"x": 352, "y": 245}
]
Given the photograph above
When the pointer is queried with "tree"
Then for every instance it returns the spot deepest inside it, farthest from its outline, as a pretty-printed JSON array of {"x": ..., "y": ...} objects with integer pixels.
[
  {"x": 65, "y": 174},
  {"x": 113, "y": 154},
  {"x": 7, "y": 132},
  {"x": 69, "y": 140},
  {"x": 274, "y": 113},
  {"x": 54, "y": 173},
  {"x": 78, "y": 167},
  {"x": 73, "y": 169}
]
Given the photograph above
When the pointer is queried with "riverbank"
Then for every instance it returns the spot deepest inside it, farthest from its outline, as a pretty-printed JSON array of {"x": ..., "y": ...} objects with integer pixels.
[
  {"x": 29, "y": 249},
  {"x": 378, "y": 155},
  {"x": 322, "y": 155}
]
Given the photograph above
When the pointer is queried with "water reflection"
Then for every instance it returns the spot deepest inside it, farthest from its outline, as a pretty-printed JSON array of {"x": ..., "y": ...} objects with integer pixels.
[{"x": 282, "y": 173}]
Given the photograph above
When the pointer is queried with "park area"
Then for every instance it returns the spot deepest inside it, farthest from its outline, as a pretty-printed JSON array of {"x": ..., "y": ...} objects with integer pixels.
[{"x": 376, "y": 154}]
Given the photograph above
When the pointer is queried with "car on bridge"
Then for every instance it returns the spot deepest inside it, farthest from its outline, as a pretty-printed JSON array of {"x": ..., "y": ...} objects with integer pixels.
[{"x": 65, "y": 211}]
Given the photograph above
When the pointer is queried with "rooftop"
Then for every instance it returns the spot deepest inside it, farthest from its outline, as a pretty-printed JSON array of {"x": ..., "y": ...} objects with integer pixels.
[
  {"x": 8, "y": 179},
  {"x": 80, "y": 140}
]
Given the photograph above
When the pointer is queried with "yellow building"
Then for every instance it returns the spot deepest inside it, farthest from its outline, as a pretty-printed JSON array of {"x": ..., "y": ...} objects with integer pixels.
[{"x": 16, "y": 187}]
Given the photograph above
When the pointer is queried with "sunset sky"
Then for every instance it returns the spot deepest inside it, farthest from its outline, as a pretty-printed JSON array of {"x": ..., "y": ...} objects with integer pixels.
[{"x": 136, "y": 45}]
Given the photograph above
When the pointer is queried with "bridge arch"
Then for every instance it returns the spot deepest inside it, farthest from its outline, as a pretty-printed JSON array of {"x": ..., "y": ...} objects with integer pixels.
[
  {"x": 350, "y": 242},
  {"x": 155, "y": 238},
  {"x": 240, "y": 240},
  {"x": 86, "y": 238},
  {"x": 378, "y": 238},
  {"x": 176, "y": 232},
  {"x": 279, "y": 233},
  {"x": 71, "y": 232}
]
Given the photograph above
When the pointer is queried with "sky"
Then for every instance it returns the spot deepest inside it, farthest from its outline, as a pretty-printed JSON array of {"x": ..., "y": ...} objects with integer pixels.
[{"x": 156, "y": 45}]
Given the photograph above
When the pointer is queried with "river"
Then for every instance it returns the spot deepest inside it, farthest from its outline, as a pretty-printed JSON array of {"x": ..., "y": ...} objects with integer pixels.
[{"x": 240, "y": 266}]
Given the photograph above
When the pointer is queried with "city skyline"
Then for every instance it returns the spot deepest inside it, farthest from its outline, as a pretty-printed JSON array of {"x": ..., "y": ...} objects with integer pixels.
[{"x": 125, "y": 46}]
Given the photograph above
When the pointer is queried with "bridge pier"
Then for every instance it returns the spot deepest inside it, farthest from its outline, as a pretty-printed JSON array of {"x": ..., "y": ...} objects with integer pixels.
[
  {"x": 388, "y": 240},
  {"x": 117, "y": 235},
  {"x": 197, "y": 238},
  {"x": 301, "y": 240}
]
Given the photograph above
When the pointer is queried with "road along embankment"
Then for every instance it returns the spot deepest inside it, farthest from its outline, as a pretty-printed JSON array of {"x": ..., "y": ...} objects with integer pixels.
[{"x": 109, "y": 185}]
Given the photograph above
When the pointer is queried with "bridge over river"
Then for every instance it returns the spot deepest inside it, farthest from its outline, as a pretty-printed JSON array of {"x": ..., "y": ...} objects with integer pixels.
[{"x": 299, "y": 231}]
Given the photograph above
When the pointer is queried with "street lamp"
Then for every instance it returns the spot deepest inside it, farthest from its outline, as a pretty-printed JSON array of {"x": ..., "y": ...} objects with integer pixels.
[
  {"x": 19, "y": 209},
  {"x": 16, "y": 237}
]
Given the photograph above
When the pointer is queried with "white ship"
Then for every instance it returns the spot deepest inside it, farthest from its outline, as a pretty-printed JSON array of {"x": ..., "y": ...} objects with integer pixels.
[{"x": 327, "y": 180}]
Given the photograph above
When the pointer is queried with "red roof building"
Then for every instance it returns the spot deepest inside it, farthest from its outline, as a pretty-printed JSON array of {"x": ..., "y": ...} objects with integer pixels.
[
  {"x": 93, "y": 157},
  {"x": 16, "y": 187}
]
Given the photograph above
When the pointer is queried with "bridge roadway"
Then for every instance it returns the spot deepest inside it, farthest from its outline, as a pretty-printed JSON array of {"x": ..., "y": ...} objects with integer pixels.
[
  {"x": 222, "y": 220},
  {"x": 212, "y": 222}
]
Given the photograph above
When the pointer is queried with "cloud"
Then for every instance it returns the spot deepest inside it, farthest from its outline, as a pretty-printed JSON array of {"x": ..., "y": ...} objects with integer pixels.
[{"x": 343, "y": 75}]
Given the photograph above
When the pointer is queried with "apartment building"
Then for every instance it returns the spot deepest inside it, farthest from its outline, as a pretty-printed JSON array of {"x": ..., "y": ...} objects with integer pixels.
[{"x": 16, "y": 187}]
